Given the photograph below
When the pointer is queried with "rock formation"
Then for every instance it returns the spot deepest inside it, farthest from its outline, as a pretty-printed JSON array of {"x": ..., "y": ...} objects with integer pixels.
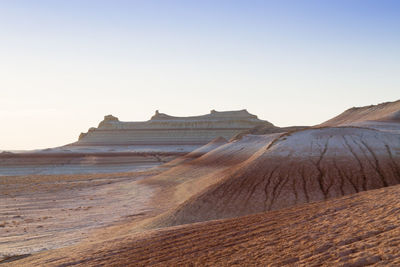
[
  {"x": 349, "y": 168},
  {"x": 163, "y": 129},
  {"x": 289, "y": 169}
]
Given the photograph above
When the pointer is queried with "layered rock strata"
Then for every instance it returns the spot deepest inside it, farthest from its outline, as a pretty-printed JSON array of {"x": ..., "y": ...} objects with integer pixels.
[
  {"x": 163, "y": 129},
  {"x": 296, "y": 167}
]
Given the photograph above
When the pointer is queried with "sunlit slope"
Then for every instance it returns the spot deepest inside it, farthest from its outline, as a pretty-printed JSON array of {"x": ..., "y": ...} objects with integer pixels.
[
  {"x": 187, "y": 177},
  {"x": 297, "y": 168},
  {"x": 385, "y": 112}
]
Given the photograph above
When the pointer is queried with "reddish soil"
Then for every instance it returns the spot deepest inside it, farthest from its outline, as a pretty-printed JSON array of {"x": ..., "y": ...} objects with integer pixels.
[
  {"x": 321, "y": 196},
  {"x": 292, "y": 169},
  {"x": 358, "y": 230}
]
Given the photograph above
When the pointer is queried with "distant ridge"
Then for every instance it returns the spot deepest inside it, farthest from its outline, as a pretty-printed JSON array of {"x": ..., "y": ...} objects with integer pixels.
[
  {"x": 164, "y": 129},
  {"x": 384, "y": 112}
]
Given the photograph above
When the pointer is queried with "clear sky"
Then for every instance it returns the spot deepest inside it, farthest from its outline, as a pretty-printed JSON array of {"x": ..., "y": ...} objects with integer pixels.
[{"x": 66, "y": 64}]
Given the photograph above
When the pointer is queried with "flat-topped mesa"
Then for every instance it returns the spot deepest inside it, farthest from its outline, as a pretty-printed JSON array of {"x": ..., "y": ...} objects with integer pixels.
[{"x": 163, "y": 129}]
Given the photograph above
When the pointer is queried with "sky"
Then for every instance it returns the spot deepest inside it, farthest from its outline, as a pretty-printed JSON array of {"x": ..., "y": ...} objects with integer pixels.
[{"x": 66, "y": 64}]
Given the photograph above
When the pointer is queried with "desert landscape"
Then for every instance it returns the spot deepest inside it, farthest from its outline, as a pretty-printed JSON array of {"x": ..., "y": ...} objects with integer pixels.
[
  {"x": 222, "y": 189},
  {"x": 199, "y": 133}
]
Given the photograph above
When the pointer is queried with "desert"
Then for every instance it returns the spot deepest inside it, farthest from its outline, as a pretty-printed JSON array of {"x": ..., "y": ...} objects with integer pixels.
[
  {"x": 317, "y": 195},
  {"x": 199, "y": 133}
]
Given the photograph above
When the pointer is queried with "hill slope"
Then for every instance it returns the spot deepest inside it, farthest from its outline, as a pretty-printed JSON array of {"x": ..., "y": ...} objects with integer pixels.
[
  {"x": 291, "y": 169},
  {"x": 357, "y": 230},
  {"x": 385, "y": 112}
]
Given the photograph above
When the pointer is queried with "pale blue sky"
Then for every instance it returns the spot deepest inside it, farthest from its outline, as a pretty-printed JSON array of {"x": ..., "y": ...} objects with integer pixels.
[{"x": 65, "y": 64}]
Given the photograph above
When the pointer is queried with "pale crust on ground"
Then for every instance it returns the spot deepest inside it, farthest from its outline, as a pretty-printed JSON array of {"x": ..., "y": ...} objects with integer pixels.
[
  {"x": 358, "y": 230},
  {"x": 45, "y": 212},
  {"x": 39, "y": 212}
]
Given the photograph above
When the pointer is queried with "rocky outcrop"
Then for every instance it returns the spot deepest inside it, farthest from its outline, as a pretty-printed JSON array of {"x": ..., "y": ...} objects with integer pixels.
[{"x": 163, "y": 129}]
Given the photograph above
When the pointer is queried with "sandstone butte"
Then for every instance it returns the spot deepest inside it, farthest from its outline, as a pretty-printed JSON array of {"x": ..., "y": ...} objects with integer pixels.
[
  {"x": 116, "y": 146},
  {"x": 163, "y": 129},
  {"x": 325, "y": 195}
]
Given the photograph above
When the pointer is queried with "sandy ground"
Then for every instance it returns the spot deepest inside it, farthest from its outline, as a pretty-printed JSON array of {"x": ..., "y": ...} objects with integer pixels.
[
  {"x": 358, "y": 230},
  {"x": 114, "y": 219},
  {"x": 42, "y": 212},
  {"x": 75, "y": 169},
  {"x": 88, "y": 159},
  {"x": 46, "y": 212},
  {"x": 93, "y": 216}
]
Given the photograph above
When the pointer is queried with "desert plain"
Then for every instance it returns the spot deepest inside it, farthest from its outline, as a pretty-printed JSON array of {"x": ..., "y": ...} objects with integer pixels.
[{"x": 222, "y": 189}]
